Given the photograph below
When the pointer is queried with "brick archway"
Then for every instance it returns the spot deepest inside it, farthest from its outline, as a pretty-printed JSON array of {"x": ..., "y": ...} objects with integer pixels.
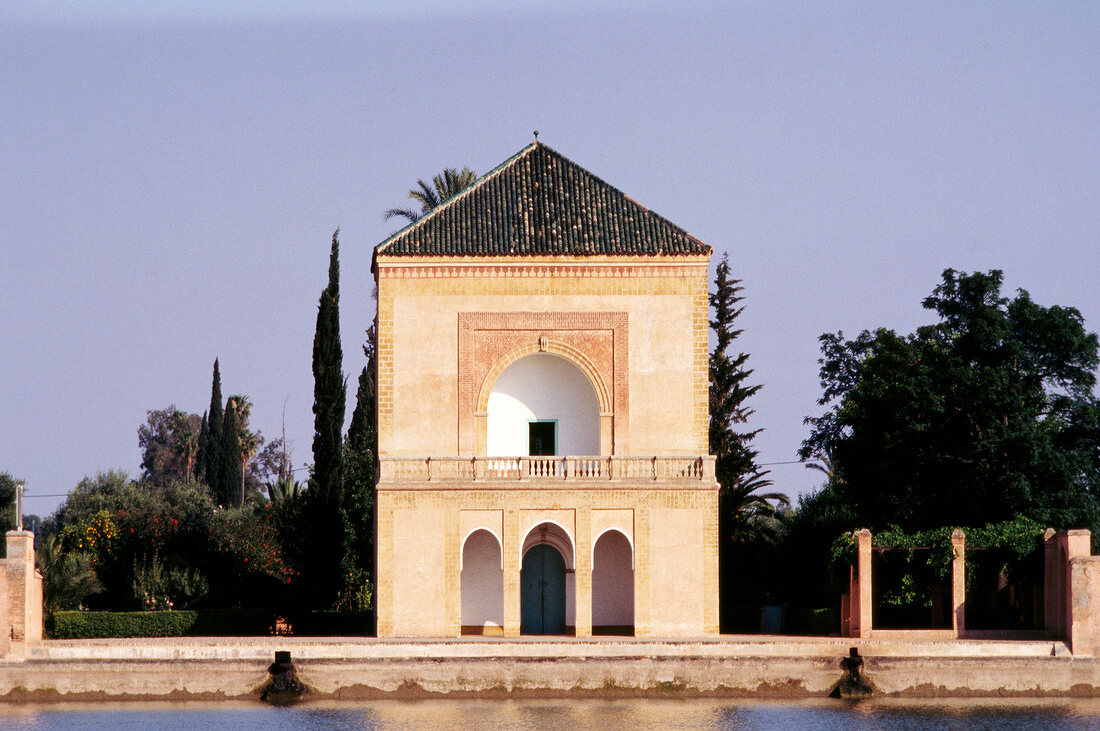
[{"x": 594, "y": 342}]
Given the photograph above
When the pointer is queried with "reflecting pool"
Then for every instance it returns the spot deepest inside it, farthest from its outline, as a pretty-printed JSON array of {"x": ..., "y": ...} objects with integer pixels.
[{"x": 556, "y": 714}]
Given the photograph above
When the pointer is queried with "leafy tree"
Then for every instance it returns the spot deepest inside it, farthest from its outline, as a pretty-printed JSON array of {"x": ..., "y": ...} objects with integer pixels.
[
  {"x": 445, "y": 186},
  {"x": 327, "y": 478},
  {"x": 148, "y": 536},
  {"x": 271, "y": 463},
  {"x": 987, "y": 414},
  {"x": 7, "y": 502},
  {"x": 168, "y": 441}
]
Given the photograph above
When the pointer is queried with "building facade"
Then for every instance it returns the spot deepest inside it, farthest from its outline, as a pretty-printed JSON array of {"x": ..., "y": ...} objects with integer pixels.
[{"x": 542, "y": 414}]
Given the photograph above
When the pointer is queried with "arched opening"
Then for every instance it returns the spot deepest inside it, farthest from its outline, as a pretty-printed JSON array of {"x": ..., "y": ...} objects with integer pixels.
[
  {"x": 482, "y": 585},
  {"x": 542, "y": 404},
  {"x": 612, "y": 585},
  {"x": 547, "y": 588}
]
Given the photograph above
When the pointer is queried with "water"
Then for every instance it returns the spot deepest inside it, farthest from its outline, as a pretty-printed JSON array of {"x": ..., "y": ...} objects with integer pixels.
[{"x": 521, "y": 715}]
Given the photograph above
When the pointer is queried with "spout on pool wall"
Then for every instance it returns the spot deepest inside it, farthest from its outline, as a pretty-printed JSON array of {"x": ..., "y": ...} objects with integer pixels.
[
  {"x": 853, "y": 685},
  {"x": 284, "y": 688}
]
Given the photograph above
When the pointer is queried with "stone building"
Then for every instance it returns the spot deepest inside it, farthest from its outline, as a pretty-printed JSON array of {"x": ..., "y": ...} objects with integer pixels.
[{"x": 542, "y": 414}]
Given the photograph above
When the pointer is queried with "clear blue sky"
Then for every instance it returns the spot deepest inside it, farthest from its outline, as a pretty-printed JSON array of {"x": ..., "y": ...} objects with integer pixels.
[{"x": 172, "y": 176}]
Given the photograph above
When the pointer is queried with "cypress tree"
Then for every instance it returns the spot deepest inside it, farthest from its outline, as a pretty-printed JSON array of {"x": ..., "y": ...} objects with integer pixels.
[
  {"x": 359, "y": 477},
  {"x": 329, "y": 387},
  {"x": 728, "y": 390},
  {"x": 329, "y": 525},
  {"x": 212, "y": 448},
  {"x": 362, "y": 429},
  {"x": 200, "y": 453},
  {"x": 746, "y": 522},
  {"x": 230, "y": 483}
]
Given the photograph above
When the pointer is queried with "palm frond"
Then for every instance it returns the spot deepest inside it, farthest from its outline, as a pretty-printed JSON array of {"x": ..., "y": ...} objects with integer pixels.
[{"x": 404, "y": 213}]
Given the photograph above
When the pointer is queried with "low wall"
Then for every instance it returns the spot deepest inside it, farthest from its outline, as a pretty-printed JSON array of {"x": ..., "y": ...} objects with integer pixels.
[{"x": 210, "y": 669}]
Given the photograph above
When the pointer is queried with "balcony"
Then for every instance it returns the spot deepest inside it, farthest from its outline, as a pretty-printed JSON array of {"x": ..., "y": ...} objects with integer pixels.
[{"x": 612, "y": 471}]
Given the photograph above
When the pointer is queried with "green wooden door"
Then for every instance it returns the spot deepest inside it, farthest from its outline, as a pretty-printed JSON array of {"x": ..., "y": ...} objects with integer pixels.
[{"x": 542, "y": 592}]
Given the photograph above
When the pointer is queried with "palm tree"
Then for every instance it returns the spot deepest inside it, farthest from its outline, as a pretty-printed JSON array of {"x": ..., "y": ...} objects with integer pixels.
[
  {"x": 250, "y": 444},
  {"x": 445, "y": 186},
  {"x": 244, "y": 409},
  {"x": 283, "y": 489},
  {"x": 67, "y": 576},
  {"x": 753, "y": 516}
]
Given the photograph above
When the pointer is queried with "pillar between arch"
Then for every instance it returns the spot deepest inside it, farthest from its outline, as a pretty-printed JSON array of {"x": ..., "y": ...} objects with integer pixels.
[
  {"x": 582, "y": 563},
  {"x": 510, "y": 554}
]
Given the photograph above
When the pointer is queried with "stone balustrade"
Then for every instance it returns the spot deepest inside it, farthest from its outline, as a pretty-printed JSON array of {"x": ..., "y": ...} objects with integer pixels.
[{"x": 578, "y": 469}]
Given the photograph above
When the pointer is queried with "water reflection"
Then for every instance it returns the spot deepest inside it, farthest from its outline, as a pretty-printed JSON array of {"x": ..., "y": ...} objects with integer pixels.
[{"x": 523, "y": 715}]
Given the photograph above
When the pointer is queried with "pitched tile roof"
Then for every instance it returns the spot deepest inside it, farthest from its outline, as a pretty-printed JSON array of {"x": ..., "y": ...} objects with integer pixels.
[{"x": 539, "y": 203}]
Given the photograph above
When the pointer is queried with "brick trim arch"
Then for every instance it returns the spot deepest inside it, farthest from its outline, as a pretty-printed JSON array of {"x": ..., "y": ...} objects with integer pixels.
[
  {"x": 596, "y": 342},
  {"x": 555, "y": 347}
]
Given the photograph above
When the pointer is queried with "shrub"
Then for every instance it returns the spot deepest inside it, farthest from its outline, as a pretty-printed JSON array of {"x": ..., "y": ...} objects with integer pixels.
[{"x": 188, "y": 623}]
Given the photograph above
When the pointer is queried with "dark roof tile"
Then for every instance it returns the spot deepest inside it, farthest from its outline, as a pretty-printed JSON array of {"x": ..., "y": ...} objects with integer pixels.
[{"x": 538, "y": 203}]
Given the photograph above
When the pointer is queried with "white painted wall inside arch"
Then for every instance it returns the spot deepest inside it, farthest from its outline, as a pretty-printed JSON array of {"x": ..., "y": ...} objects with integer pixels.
[
  {"x": 612, "y": 581},
  {"x": 482, "y": 581},
  {"x": 542, "y": 386}
]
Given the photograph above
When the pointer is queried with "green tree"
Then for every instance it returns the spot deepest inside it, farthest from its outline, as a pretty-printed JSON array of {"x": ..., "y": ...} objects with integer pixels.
[
  {"x": 210, "y": 441},
  {"x": 445, "y": 186},
  {"x": 748, "y": 525},
  {"x": 68, "y": 577},
  {"x": 7, "y": 502},
  {"x": 324, "y": 561},
  {"x": 360, "y": 448},
  {"x": 168, "y": 441},
  {"x": 987, "y": 414},
  {"x": 745, "y": 511},
  {"x": 231, "y": 483}
]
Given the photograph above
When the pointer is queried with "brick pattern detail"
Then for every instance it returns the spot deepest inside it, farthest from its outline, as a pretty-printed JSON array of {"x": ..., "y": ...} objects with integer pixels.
[
  {"x": 488, "y": 342},
  {"x": 701, "y": 369},
  {"x": 551, "y": 267}
]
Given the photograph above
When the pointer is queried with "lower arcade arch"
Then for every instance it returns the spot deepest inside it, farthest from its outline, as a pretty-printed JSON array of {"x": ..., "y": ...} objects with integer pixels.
[
  {"x": 482, "y": 585},
  {"x": 547, "y": 582},
  {"x": 612, "y": 585}
]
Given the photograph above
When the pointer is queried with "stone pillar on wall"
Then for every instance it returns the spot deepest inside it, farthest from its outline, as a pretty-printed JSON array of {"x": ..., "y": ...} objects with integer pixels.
[
  {"x": 958, "y": 582},
  {"x": 861, "y": 590},
  {"x": 22, "y": 589},
  {"x": 1083, "y": 594}
]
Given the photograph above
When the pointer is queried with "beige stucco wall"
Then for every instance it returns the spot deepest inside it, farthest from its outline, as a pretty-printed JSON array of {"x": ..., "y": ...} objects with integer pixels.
[
  {"x": 674, "y": 532},
  {"x": 636, "y": 327},
  {"x": 664, "y": 300}
]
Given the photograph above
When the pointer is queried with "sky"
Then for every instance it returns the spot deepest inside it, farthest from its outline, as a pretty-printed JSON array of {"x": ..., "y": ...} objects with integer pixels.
[{"x": 172, "y": 175}]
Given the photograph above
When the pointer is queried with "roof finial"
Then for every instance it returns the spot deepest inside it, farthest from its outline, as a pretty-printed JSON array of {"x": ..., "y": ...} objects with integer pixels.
[{"x": 536, "y": 136}]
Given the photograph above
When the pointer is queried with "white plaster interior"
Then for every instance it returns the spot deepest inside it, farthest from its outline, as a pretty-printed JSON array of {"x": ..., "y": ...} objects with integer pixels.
[
  {"x": 612, "y": 581},
  {"x": 482, "y": 581},
  {"x": 537, "y": 387}
]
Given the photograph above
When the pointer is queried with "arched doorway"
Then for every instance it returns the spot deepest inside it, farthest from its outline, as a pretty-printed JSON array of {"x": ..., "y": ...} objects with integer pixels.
[
  {"x": 482, "y": 585},
  {"x": 542, "y": 404},
  {"x": 546, "y": 582},
  {"x": 612, "y": 585}
]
